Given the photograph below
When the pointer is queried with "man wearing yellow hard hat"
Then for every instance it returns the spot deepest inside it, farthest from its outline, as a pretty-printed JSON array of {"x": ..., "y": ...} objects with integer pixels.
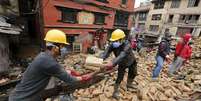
[
  {"x": 37, "y": 75},
  {"x": 121, "y": 48}
]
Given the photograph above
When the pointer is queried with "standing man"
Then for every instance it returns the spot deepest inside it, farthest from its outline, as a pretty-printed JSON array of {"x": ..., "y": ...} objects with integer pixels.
[
  {"x": 44, "y": 66},
  {"x": 162, "y": 54},
  {"x": 182, "y": 54},
  {"x": 124, "y": 59}
]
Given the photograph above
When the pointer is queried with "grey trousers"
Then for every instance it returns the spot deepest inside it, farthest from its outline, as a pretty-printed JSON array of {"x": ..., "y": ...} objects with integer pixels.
[{"x": 176, "y": 65}]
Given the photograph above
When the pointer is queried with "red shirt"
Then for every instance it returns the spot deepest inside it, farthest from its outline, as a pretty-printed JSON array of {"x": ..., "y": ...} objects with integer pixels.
[
  {"x": 179, "y": 48},
  {"x": 133, "y": 43},
  {"x": 186, "y": 52}
]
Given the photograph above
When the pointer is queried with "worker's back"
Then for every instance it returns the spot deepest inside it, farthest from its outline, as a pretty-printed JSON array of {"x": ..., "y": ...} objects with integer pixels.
[{"x": 35, "y": 79}]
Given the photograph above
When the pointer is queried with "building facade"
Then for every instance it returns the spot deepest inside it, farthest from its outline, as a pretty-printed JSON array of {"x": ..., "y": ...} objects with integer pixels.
[
  {"x": 140, "y": 17},
  {"x": 8, "y": 33},
  {"x": 87, "y": 21},
  {"x": 177, "y": 16}
]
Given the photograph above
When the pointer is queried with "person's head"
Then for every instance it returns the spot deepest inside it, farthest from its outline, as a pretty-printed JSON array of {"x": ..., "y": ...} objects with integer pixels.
[
  {"x": 117, "y": 37},
  {"x": 187, "y": 37},
  {"x": 167, "y": 38},
  {"x": 55, "y": 40},
  {"x": 167, "y": 32}
]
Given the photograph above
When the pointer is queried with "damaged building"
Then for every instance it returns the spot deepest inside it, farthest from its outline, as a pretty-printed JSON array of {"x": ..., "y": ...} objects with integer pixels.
[
  {"x": 19, "y": 27},
  {"x": 9, "y": 32},
  {"x": 184, "y": 16},
  {"x": 87, "y": 22},
  {"x": 177, "y": 16},
  {"x": 140, "y": 16}
]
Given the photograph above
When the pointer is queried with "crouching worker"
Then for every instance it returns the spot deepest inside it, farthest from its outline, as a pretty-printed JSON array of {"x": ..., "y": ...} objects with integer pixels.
[
  {"x": 44, "y": 66},
  {"x": 124, "y": 59}
]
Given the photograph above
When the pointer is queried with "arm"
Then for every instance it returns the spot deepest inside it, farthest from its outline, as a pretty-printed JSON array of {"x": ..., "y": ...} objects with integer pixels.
[
  {"x": 119, "y": 58},
  {"x": 188, "y": 52},
  {"x": 122, "y": 55},
  {"x": 177, "y": 49},
  {"x": 58, "y": 71},
  {"x": 107, "y": 52}
]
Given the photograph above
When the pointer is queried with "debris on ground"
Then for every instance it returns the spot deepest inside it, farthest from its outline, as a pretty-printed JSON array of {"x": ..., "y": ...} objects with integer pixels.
[
  {"x": 186, "y": 86},
  {"x": 183, "y": 86}
]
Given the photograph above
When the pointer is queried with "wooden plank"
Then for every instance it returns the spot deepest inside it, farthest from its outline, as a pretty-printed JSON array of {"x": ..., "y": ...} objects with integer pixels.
[
  {"x": 7, "y": 85},
  {"x": 70, "y": 88}
]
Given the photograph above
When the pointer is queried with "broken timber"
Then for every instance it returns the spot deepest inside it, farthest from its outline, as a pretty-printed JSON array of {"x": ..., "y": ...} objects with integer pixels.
[{"x": 70, "y": 88}]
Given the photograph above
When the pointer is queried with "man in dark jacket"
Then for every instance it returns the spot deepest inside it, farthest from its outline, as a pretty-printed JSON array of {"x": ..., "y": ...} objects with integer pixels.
[
  {"x": 37, "y": 75},
  {"x": 162, "y": 54},
  {"x": 124, "y": 59}
]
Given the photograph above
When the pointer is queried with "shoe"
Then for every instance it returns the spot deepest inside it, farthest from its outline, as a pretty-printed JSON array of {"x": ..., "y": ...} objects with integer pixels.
[
  {"x": 116, "y": 92},
  {"x": 130, "y": 84},
  {"x": 154, "y": 79}
]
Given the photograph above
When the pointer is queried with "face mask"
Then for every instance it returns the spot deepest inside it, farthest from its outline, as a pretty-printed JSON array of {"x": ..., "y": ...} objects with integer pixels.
[
  {"x": 63, "y": 51},
  {"x": 116, "y": 44}
]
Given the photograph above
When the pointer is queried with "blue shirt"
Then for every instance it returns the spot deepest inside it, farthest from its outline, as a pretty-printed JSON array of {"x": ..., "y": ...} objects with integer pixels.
[{"x": 37, "y": 76}]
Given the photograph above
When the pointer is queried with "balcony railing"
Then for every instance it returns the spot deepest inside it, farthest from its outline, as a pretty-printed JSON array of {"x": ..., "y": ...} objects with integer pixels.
[
  {"x": 188, "y": 21},
  {"x": 142, "y": 19}
]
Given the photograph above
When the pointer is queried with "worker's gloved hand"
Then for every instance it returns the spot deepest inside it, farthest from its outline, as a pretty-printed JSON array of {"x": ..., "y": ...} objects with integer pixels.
[
  {"x": 86, "y": 77},
  {"x": 73, "y": 73},
  {"x": 109, "y": 66}
]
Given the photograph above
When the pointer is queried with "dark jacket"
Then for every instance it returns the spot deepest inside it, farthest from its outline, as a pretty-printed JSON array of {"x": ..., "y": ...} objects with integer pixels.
[
  {"x": 37, "y": 76},
  {"x": 124, "y": 55},
  {"x": 164, "y": 48}
]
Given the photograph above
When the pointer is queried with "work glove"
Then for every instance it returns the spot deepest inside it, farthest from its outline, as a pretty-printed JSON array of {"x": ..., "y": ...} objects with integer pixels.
[
  {"x": 109, "y": 66},
  {"x": 86, "y": 77},
  {"x": 73, "y": 73}
]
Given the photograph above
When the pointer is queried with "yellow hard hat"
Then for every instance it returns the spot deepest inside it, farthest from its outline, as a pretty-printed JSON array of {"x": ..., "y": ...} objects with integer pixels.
[
  {"x": 117, "y": 34},
  {"x": 56, "y": 36}
]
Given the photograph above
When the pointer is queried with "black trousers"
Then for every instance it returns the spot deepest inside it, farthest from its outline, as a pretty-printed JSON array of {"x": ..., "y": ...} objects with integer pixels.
[{"x": 132, "y": 72}]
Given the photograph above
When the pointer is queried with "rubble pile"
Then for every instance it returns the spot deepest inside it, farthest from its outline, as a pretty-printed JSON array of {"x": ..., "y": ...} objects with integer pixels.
[
  {"x": 75, "y": 62},
  {"x": 165, "y": 88},
  {"x": 11, "y": 78},
  {"x": 197, "y": 49},
  {"x": 15, "y": 73},
  {"x": 181, "y": 87}
]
